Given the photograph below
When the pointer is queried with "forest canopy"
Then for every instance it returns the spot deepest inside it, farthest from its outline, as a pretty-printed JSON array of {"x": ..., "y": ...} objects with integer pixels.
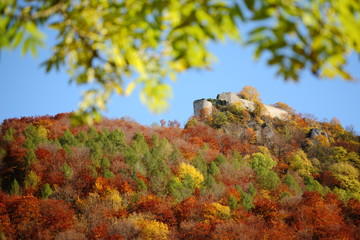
[{"x": 232, "y": 174}]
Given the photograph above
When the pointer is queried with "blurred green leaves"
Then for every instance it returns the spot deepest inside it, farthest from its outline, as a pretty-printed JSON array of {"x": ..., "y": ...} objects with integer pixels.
[
  {"x": 314, "y": 35},
  {"x": 117, "y": 46}
]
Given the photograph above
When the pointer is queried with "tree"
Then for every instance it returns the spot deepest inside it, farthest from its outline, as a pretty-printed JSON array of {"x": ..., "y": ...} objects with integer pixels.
[
  {"x": 188, "y": 170},
  {"x": 250, "y": 93},
  {"x": 122, "y": 44},
  {"x": 347, "y": 175},
  {"x": 152, "y": 229},
  {"x": 301, "y": 164}
]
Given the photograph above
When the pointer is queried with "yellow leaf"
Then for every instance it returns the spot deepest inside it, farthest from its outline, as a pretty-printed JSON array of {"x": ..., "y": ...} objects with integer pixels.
[{"x": 129, "y": 89}]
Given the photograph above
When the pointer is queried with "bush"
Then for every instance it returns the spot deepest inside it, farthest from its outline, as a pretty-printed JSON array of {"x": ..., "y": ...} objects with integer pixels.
[{"x": 219, "y": 119}]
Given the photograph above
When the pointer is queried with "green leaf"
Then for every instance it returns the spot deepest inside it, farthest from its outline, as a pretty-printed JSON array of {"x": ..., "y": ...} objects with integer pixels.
[
  {"x": 250, "y": 4},
  {"x": 18, "y": 38},
  {"x": 275, "y": 59},
  {"x": 236, "y": 10},
  {"x": 31, "y": 28},
  {"x": 26, "y": 46},
  {"x": 258, "y": 30}
]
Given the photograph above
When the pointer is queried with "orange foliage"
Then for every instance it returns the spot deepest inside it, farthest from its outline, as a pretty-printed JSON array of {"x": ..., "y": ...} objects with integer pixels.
[
  {"x": 57, "y": 215},
  {"x": 85, "y": 204},
  {"x": 205, "y": 133},
  {"x": 42, "y": 154},
  {"x": 125, "y": 188},
  {"x": 232, "y": 191},
  {"x": 187, "y": 208},
  {"x": 196, "y": 141},
  {"x": 316, "y": 218},
  {"x": 25, "y": 216},
  {"x": 100, "y": 232},
  {"x": 250, "y": 135},
  {"x": 188, "y": 152},
  {"x": 159, "y": 208},
  {"x": 201, "y": 230},
  {"x": 5, "y": 223},
  {"x": 267, "y": 210}
]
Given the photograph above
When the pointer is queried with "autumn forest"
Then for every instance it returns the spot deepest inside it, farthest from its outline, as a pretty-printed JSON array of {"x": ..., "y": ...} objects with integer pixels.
[{"x": 234, "y": 174}]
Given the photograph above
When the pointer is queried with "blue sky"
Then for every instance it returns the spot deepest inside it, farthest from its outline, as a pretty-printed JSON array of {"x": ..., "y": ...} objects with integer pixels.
[{"x": 26, "y": 90}]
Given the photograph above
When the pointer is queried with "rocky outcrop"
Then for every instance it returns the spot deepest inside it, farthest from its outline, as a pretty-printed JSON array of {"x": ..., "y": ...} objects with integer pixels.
[
  {"x": 202, "y": 106},
  {"x": 232, "y": 98},
  {"x": 275, "y": 112},
  {"x": 316, "y": 132},
  {"x": 205, "y": 106}
]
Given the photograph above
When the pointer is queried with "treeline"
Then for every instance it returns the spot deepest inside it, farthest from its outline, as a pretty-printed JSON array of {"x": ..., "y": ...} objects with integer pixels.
[{"x": 232, "y": 175}]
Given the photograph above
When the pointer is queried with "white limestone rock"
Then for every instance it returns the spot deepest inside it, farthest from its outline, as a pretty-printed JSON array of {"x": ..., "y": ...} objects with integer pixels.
[
  {"x": 232, "y": 98},
  {"x": 275, "y": 112},
  {"x": 203, "y": 106}
]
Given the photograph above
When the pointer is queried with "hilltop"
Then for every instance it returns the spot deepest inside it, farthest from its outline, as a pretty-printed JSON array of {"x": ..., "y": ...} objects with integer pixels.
[{"x": 235, "y": 171}]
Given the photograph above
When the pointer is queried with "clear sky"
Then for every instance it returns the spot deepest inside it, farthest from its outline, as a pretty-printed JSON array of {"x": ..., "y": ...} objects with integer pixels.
[{"x": 26, "y": 90}]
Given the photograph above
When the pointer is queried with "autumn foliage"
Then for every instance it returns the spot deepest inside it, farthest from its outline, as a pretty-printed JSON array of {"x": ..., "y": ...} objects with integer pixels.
[{"x": 258, "y": 178}]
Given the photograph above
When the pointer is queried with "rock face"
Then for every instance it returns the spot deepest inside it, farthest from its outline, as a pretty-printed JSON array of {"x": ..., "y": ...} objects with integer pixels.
[
  {"x": 205, "y": 107},
  {"x": 275, "y": 112},
  {"x": 316, "y": 132},
  {"x": 232, "y": 98},
  {"x": 202, "y": 106}
]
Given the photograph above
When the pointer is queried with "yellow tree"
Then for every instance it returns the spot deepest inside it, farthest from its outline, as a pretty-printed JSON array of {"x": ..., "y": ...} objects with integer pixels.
[{"x": 250, "y": 93}]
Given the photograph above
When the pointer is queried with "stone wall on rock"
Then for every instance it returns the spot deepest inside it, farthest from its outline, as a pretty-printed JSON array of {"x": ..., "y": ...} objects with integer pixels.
[{"x": 202, "y": 106}]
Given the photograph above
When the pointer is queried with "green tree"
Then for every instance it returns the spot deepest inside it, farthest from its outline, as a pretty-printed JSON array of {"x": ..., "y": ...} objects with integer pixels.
[
  {"x": 68, "y": 139},
  {"x": 220, "y": 159},
  {"x": 46, "y": 191},
  {"x": 124, "y": 44},
  {"x": 2, "y": 153},
  {"x": 347, "y": 175},
  {"x": 67, "y": 170},
  {"x": 15, "y": 188},
  {"x": 214, "y": 170},
  {"x": 139, "y": 144},
  {"x": 232, "y": 202},
  {"x": 199, "y": 163},
  {"x": 34, "y": 136},
  {"x": 82, "y": 137},
  {"x": 219, "y": 119},
  {"x": 247, "y": 198},
  {"x": 236, "y": 160},
  {"x": 92, "y": 132},
  {"x": 262, "y": 165},
  {"x": 176, "y": 189},
  {"x": 117, "y": 141},
  {"x": 292, "y": 183},
  {"x": 31, "y": 180},
  {"x": 9, "y": 135},
  {"x": 141, "y": 185},
  {"x": 105, "y": 164},
  {"x": 30, "y": 157},
  {"x": 301, "y": 164},
  {"x": 313, "y": 185},
  {"x": 260, "y": 162},
  {"x": 95, "y": 149}
]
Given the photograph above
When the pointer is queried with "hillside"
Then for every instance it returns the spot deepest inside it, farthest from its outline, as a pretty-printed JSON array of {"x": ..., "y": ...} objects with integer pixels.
[{"x": 228, "y": 174}]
